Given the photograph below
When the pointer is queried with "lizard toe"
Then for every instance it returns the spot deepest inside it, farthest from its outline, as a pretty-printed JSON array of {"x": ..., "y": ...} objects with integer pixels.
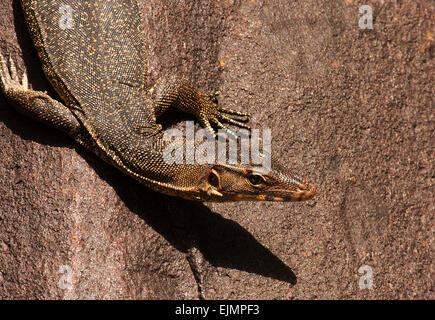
[
  {"x": 205, "y": 123},
  {"x": 221, "y": 126},
  {"x": 13, "y": 69},
  {"x": 237, "y": 123},
  {"x": 244, "y": 117},
  {"x": 9, "y": 79}
]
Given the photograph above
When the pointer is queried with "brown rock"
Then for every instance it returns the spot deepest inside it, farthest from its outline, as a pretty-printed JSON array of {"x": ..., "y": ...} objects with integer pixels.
[{"x": 350, "y": 108}]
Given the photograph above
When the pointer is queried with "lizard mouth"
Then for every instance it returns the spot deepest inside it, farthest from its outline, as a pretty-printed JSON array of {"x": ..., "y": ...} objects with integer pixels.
[{"x": 303, "y": 192}]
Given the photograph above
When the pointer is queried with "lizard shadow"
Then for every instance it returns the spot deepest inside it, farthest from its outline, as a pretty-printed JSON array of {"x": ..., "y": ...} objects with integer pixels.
[{"x": 183, "y": 223}]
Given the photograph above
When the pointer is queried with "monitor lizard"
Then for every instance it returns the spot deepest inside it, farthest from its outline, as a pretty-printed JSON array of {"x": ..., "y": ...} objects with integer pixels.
[{"x": 94, "y": 55}]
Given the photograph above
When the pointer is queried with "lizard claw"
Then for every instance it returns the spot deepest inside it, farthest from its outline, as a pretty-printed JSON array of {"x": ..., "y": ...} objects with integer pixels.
[{"x": 9, "y": 77}]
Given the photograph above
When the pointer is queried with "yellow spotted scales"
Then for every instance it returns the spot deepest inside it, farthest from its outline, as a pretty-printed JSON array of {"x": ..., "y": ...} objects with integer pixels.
[{"x": 94, "y": 55}]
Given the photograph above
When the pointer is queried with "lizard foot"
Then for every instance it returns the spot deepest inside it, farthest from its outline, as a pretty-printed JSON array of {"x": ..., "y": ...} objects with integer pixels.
[
  {"x": 9, "y": 80},
  {"x": 236, "y": 118}
]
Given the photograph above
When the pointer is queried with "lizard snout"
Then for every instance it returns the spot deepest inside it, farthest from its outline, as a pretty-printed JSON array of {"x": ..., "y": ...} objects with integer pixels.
[{"x": 305, "y": 191}]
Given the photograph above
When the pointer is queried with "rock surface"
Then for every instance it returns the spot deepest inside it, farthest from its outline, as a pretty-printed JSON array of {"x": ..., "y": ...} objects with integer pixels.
[{"x": 350, "y": 108}]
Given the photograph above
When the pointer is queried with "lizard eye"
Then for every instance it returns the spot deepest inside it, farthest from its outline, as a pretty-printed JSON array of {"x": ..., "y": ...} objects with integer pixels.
[{"x": 256, "y": 179}]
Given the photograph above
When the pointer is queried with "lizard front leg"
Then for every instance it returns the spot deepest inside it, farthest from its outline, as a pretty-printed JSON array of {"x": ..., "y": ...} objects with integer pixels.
[
  {"x": 177, "y": 92},
  {"x": 35, "y": 104}
]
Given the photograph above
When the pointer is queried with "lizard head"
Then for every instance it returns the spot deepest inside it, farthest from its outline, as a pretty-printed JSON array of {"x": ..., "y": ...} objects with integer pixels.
[{"x": 250, "y": 183}]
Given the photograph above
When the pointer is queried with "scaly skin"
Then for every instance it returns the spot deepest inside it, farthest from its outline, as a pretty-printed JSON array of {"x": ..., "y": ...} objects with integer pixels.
[{"x": 94, "y": 55}]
